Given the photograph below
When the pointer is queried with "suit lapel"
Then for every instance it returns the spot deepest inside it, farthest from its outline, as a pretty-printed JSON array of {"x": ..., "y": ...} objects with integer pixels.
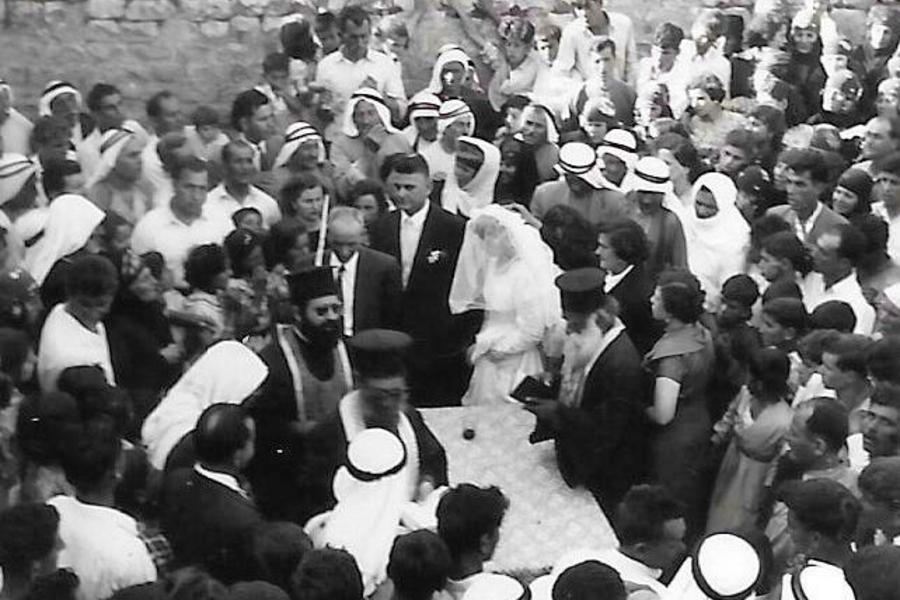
[
  {"x": 426, "y": 243},
  {"x": 360, "y": 285}
]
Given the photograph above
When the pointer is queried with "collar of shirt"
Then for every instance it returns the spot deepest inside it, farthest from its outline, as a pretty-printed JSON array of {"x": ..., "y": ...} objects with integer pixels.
[
  {"x": 614, "y": 279},
  {"x": 225, "y": 479},
  {"x": 349, "y": 266},
  {"x": 808, "y": 224},
  {"x": 172, "y": 218},
  {"x": 628, "y": 568},
  {"x": 343, "y": 57},
  {"x": 846, "y": 287},
  {"x": 220, "y": 193},
  {"x": 416, "y": 219}
]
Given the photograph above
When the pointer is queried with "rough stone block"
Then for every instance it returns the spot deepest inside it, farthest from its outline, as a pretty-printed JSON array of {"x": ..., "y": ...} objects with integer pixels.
[
  {"x": 284, "y": 7},
  {"x": 251, "y": 7},
  {"x": 106, "y": 9},
  {"x": 104, "y": 27},
  {"x": 271, "y": 22},
  {"x": 140, "y": 28},
  {"x": 214, "y": 28},
  {"x": 201, "y": 10},
  {"x": 149, "y": 10},
  {"x": 245, "y": 24}
]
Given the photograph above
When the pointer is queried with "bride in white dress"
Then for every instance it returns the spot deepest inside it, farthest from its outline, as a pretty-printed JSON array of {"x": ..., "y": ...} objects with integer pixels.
[{"x": 506, "y": 270}]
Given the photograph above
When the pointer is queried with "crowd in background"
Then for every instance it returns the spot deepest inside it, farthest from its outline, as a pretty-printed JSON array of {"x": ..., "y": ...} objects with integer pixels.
[{"x": 217, "y": 331}]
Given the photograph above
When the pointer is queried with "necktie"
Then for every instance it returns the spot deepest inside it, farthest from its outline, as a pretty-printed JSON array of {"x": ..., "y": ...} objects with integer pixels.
[
  {"x": 407, "y": 247},
  {"x": 340, "y": 281}
]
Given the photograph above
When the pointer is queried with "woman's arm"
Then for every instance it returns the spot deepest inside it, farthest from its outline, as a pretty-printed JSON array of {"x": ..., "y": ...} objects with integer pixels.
[{"x": 665, "y": 401}]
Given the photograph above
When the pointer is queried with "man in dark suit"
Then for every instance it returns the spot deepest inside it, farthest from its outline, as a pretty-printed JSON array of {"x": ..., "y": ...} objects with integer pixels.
[
  {"x": 367, "y": 281},
  {"x": 623, "y": 249},
  {"x": 426, "y": 239},
  {"x": 379, "y": 358},
  {"x": 206, "y": 511},
  {"x": 807, "y": 178},
  {"x": 597, "y": 421}
]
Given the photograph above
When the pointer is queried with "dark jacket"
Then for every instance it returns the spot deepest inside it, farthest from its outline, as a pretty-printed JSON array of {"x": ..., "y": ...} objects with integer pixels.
[
  {"x": 206, "y": 522},
  {"x": 326, "y": 451},
  {"x": 377, "y": 291},
  {"x": 600, "y": 444},
  {"x": 633, "y": 294}
]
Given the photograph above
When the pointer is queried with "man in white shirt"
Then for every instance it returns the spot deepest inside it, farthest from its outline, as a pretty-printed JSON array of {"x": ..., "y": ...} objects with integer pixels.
[
  {"x": 73, "y": 334},
  {"x": 583, "y": 32},
  {"x": 355, "y": 66},
  {"x": 102, "y": 544},
  {"x": 236, "y": 190},
  {"x": 651, "y": 538},
  {"x": 173, "y": 230},
  {"x": 701, "y": 55},
  {"x": 164, "y": 113},
  {"x": 887, "y": 187},
  {"x": 835, "y": 255},
  {"x": 368, "y": 281}
]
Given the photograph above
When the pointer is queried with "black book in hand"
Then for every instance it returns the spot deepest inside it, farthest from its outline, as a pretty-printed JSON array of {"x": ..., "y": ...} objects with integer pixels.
[{"x": 530, "y": 387}]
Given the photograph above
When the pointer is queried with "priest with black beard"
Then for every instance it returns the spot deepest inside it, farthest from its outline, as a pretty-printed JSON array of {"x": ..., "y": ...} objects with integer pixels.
[
  {"x": 381, "y": 400},
  {"x": 309, "y": 372}
]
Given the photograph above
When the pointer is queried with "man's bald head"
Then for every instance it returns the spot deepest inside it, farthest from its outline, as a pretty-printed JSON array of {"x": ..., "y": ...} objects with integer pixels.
[{"x": 346, "y": 232}]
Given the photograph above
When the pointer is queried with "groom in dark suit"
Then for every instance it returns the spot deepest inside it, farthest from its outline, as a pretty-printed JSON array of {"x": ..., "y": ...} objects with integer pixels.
[{"x": 426, "y": 239}]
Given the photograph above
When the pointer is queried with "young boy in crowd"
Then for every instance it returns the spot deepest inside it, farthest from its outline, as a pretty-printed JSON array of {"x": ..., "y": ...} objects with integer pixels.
[
  {"x": 204, "y": 134},
  {"x": 248, "y": 218},
  {"x": 518, "y": 67},
  {"x": 735, "y": 341}
]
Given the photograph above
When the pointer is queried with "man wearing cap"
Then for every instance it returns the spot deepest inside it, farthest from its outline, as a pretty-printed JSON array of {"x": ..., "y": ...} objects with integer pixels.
[
  {"x": 597, "y": 422},
  {"x": 582, "y": 187},
  {"x": 650, "y": 186},
  {"x": 309, "y": 372},
  {"x": 380, "y": 400},
  {"x": 879, "y": 484}
]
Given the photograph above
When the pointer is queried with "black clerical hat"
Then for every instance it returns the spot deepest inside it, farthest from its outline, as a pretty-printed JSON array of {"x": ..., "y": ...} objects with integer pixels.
[
  {"x": 311, "y": 283},
  {"x": 379, "y": 352},
  {"x": 581, "y": 289}
]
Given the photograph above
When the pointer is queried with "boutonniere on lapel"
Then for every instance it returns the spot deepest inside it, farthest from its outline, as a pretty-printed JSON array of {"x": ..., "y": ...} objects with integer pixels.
[{"x": 435, "y": 256}]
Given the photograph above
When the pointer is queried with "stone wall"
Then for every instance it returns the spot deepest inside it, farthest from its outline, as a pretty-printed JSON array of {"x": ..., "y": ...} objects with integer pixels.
[{"x": 204, "y": 50}]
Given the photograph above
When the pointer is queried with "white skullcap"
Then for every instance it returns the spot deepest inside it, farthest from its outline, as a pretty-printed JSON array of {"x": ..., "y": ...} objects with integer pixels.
[{"x": 375, "y": 453}]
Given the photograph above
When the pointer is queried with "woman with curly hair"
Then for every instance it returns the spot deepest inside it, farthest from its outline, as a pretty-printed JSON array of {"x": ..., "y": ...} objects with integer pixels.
[{"x": 681, "y": 366}]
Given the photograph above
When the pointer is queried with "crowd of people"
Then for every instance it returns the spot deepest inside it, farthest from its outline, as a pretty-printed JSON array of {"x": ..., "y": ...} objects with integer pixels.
[{"x": 216, "y": 335}]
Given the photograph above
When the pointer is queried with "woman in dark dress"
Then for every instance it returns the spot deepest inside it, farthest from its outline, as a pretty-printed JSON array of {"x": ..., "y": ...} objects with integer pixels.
[
  {"x": 144, "y": 357},
  {"x": 681, "y": 364}
]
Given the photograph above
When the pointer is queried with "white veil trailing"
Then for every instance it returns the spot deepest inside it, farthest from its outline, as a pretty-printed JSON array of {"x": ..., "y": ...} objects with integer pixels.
[{"x": 487, "y": 227}]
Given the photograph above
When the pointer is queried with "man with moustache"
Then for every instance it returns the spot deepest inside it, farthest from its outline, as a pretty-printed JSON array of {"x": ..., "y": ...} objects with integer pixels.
[
  {"x": 309, "y": 372},
  {"x": 381, "y": 400},
  {"x": 597, "y": 421}
]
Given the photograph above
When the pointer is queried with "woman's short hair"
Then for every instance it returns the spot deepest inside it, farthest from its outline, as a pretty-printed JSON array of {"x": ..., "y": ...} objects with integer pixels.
[
  {"x": 370, "y": 187},
  {"x": 204, "y": 263},
  {"x": 27, "y": 535},
  {"x": 682, "y": 301},
  {"x": 91, "y": 276},
  {"x": 294, "y": 188},
  {"x": 710, "y": 84},
  {"x": 628, "y": 240},
  {"x": 785, "y": 245}
]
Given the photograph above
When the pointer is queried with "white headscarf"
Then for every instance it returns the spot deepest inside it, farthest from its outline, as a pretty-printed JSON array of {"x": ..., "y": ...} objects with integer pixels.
[
  {"x": 724, "y": 565},
  {"x": 15, "y": 171},
  {"x": 295, "y": 136},
  {"x": 370, "y": 491},
  {"x": 376, "y": 99},
  {"x": 479, "y": 192},
  {"x": 450, "y": 112},
  {"x": 228, "y": 373},
  {"x": 549, "y": 117},
  {"x": 451, "y": 54},
  {"x": 71, "y": 219},
  {"x": 52, "y": 91},
  {"x": 475, "y": 265},
  {"x": 424, "y": 104},
  {"x": 716, "y": 246},
  {"x": 111, "y": 144}
]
